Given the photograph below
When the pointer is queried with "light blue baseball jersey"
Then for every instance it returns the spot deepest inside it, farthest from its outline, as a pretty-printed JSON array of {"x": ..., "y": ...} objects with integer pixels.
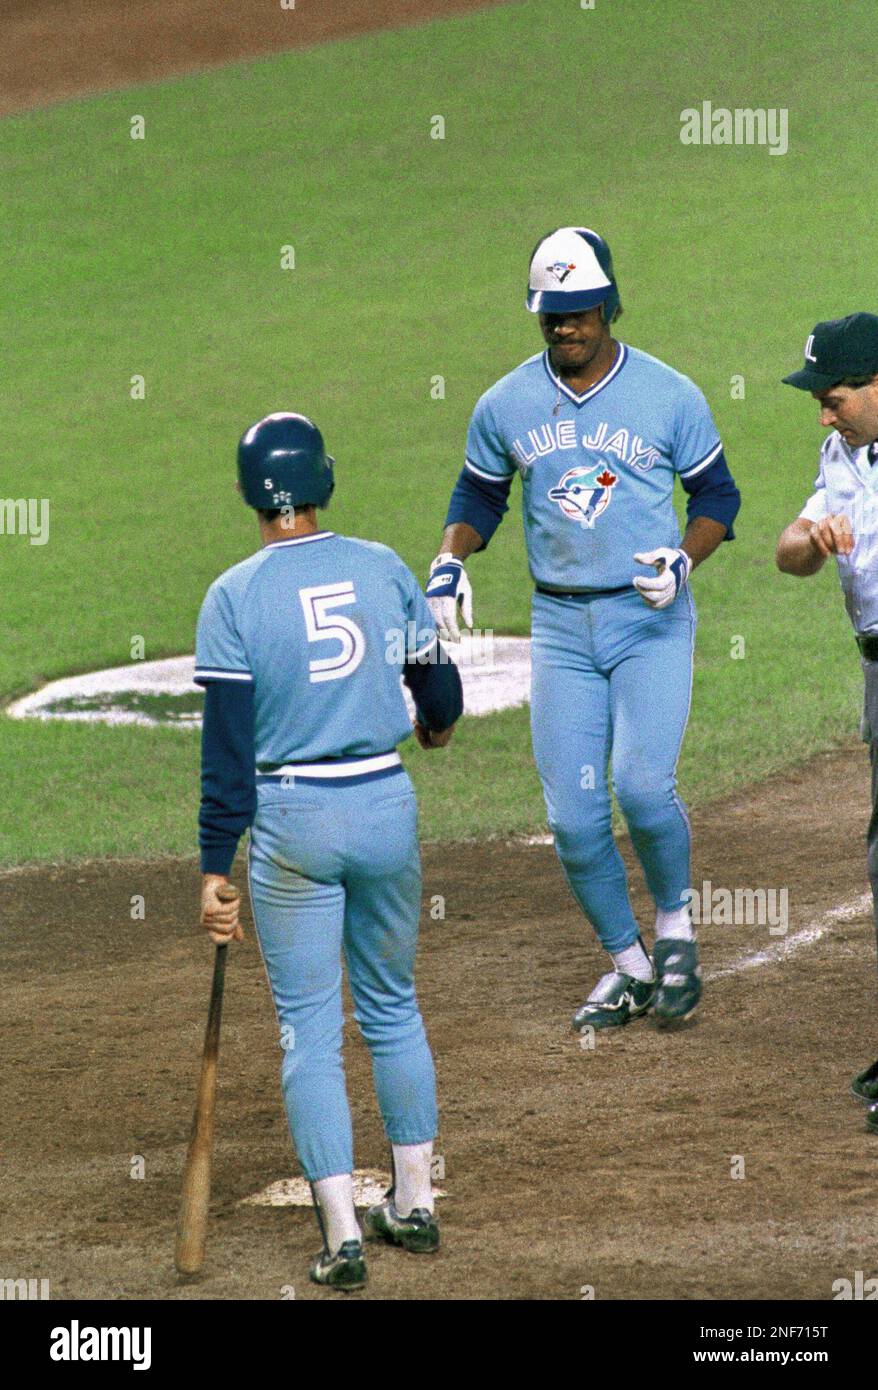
[
  {"x": 847, "y": 483},
  {"x": 321, "y": 625},
  {"x": 597, "y": 469}
]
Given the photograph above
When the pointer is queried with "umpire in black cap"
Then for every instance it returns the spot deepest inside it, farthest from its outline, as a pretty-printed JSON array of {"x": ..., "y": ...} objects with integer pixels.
[{"x": 840, "y": 518}]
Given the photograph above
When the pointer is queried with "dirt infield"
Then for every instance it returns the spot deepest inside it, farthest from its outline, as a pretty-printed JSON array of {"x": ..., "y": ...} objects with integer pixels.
[
  {"x": 565, "y": 1168},
  {"x": 53, "y": 49}
]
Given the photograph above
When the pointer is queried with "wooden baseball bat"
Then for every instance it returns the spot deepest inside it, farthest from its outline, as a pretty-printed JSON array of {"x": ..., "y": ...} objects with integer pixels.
[{"x": 195, "y": 1199}]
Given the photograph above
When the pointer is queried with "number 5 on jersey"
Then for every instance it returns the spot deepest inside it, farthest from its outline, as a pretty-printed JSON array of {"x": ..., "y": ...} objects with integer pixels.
[{"x": 322, "y": 625}]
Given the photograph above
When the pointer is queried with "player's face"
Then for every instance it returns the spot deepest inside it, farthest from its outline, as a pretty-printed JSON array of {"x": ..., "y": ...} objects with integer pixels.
[
  {"x": 854, "y": 413},
  {"x": 574, "y": 339}
]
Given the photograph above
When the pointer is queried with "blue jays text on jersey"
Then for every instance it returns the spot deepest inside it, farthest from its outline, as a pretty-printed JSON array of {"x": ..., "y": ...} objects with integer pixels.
[{"x": 597, "y": 468}]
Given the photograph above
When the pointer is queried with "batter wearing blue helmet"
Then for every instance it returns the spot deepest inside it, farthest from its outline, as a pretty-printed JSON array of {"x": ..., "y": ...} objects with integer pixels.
[
  {"x": 300, "y": 649},
  {"x": 598, "y": 432}
]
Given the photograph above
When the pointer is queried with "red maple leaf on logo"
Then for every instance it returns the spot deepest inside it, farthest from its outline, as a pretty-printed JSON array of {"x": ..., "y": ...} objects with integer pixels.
[{"x": 606, "y": 479}]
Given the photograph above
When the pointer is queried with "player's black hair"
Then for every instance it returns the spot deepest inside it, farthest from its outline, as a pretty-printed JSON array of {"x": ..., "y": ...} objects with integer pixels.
[{"x": 272, "y": 513}]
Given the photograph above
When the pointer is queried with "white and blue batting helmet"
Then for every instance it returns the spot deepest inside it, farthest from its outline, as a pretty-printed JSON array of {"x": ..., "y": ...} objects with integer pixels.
[{"x": 571, "y": 269}]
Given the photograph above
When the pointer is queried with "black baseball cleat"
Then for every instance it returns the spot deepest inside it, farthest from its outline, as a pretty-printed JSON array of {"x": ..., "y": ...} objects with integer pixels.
[
  {"x": 678, "y": 980},
  {"x": 345, "y": 1270},
  {"x": 418, "y": 1232},
  {"x": 865, "y": 1085},
  {"x": 872, "y": 1118},
  {"x": 616, "y": 999}
]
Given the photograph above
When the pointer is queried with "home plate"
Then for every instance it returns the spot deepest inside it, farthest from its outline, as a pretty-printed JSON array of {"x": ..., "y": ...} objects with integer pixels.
[
  {"x": 370, "y": 1186},
  {"x": 495, "y": 672}
]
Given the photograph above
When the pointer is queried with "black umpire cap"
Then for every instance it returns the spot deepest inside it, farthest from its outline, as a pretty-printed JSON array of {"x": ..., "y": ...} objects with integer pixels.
[{"x": 836, "y": 349}]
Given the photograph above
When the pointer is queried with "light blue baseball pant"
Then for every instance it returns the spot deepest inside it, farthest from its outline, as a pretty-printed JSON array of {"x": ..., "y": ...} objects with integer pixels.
[
  {"x": 612, "y": 681},
  {"x": 337, "y": 867}
]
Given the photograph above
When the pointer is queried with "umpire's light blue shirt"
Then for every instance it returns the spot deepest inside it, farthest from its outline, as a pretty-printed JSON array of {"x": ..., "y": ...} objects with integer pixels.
[{"x": 848, "y": 483}]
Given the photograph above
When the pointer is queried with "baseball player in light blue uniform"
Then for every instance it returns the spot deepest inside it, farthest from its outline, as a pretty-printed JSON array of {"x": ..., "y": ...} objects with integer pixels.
[
  {"x": 300, "y": 649},
  {"x": 840, "y": 518},
  {"x": 599, "y": 432}
]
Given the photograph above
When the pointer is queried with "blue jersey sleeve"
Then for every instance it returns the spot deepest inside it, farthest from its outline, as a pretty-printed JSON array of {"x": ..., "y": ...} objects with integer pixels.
[
  {"x": 219, "y": 651},
  {"x": 481, "y": 492},
  {"x": 486, "y": 455},
  {"x": 696, "y": 439},
  {"x": 421, "y": 634}
]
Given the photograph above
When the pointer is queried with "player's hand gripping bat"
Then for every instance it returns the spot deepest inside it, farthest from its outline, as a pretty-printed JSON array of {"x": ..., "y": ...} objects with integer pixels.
[{"x": 195, "y": 1199}]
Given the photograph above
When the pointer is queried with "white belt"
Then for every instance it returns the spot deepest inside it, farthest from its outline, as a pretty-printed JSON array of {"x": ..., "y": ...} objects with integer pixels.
[{"x": 337, "y": 767}]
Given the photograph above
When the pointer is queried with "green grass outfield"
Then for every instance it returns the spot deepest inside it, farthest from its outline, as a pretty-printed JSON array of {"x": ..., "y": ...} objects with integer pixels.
[{"x": 162, "y": 257}]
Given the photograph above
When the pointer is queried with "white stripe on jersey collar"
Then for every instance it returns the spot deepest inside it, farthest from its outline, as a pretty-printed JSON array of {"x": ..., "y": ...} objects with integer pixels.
[
  {"x": 300, "y": 540},
  {"x": 621, "y": 359}
]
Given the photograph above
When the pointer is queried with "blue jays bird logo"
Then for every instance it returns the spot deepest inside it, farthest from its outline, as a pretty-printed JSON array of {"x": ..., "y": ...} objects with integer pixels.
[
  {"x": 583, "y": 493},
  {"x": 561, "y": 269}
]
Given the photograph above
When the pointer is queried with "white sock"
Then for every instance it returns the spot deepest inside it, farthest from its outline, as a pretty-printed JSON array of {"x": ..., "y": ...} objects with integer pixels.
[
  {"x": 634, "y": 961},
  {"x": 677, "y": 923},
  {"x": 411, "y": 1177},
  {"x": 335, "y": 1196}
]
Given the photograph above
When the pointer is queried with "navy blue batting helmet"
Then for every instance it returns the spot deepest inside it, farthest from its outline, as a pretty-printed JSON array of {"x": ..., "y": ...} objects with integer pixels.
[
  {"x": 282, "y": 462},
  {"x": 571, "y": 269}
]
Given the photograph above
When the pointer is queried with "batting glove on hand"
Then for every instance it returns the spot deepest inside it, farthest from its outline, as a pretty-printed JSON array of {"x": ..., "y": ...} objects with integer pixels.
[
  {"x": 449, "y": 589},
  {"x": 673, "y": 569}
]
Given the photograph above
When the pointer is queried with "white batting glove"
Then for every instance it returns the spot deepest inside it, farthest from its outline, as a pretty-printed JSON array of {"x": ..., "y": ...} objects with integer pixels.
[
  {"x": 673, "y": 568},
  {"x": 449, "y": 589}
]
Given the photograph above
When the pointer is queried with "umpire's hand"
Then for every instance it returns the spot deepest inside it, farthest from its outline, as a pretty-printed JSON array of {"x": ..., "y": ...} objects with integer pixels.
[{"x": 832, "y": 535}]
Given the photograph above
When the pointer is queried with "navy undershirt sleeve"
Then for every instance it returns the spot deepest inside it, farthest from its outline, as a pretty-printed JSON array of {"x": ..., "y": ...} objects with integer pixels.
[
  {"x": 713, "y": 493},
  {"x": 436, "y": 690},
  {"x": 228, "y": 772},
  {"x": 480, "y": 503}
]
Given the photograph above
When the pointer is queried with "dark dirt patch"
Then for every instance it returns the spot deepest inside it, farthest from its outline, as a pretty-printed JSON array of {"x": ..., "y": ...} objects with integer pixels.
[
  {"x": 564, "y": 1167},
  {"x": 54, "y": 49}
]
